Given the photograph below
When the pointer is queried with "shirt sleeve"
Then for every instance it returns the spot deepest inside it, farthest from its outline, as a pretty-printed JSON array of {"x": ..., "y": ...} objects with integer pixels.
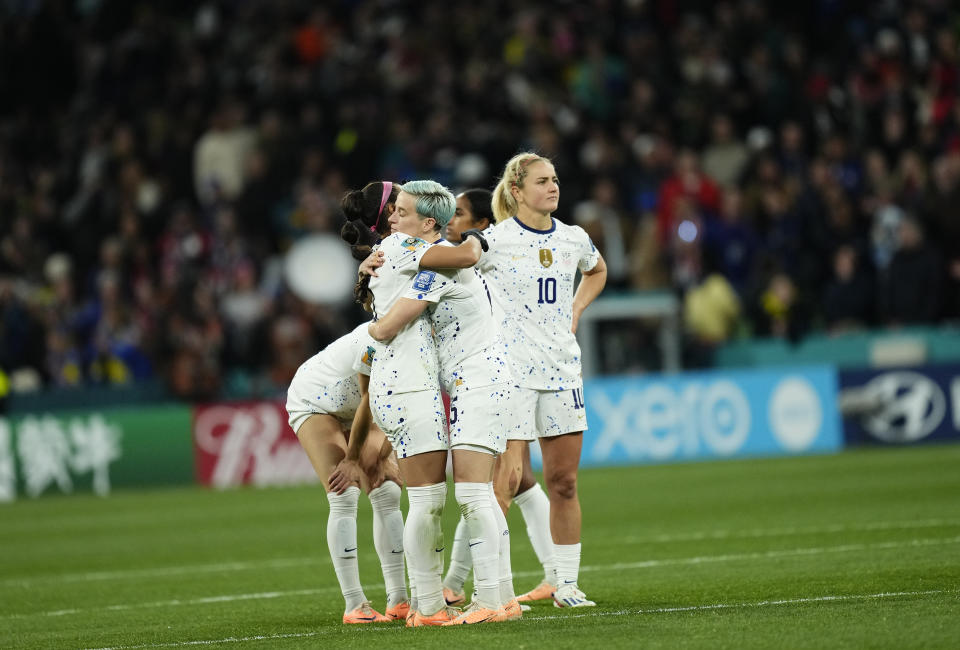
[
  {"x": 589, "y": 255},
  {"x": 419, "y": 250},
  {"x": 488, "y": 258},
  {"x": 408, "y": 251},
  {"x": 431, "y": 286},
  {"x": 364, "y": 353},
  {"x": 363, "y": 360}
]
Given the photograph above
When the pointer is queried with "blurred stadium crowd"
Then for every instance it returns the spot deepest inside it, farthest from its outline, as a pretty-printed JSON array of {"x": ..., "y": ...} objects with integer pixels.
[{"x": 785, "y": 167}]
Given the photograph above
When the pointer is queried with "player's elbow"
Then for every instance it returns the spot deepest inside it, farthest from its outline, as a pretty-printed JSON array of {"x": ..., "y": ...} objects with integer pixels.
[
  {"x": 377, "y": 333},
  {"x": 381, "y": 335}
]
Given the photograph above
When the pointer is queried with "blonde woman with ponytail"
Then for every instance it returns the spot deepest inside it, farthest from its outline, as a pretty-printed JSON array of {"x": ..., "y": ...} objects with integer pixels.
[{"x": 532, "y": 265}]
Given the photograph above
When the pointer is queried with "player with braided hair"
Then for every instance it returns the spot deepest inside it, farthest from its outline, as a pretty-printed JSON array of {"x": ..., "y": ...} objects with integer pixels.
[{"x": 327, "y": 393}]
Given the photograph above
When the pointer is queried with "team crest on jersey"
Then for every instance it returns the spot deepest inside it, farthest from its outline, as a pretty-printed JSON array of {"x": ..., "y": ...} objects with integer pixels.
[
  {"x": 424, "y": 280},
  {"x": 367, "y": 357},
  {"x": 546, "y": 258},
  {"x": 413, "y": 243}
]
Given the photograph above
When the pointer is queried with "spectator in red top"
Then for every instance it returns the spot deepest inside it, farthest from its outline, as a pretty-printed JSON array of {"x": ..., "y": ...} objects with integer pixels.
[{"x": 687, "y": 181}]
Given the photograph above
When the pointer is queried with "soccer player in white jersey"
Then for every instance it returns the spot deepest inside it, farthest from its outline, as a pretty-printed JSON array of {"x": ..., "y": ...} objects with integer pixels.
[
  {"x": 326, "y": 394},
  {"x": 475, "y": 373},
  {"x": 532, "y": 263},
  {"x": 474, "y": 212},
  {"x": 322, "y": 401},
  {"x": 405, "y": 394}
]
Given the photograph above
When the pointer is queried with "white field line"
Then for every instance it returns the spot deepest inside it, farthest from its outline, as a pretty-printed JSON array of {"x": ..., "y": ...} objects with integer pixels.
[
  {"x": 280, "y": 563},
  {"x": 759, "y": 555},
  {"x": 788, "y": 531},
  {"x": 159, "y": 572},
  {"x": 702, "y": 559},
  {"x": 625, "y": 612}
]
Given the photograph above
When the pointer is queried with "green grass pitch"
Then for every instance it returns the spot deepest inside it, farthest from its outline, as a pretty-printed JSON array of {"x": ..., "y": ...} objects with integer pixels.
[{"x": 856, "y": 550}]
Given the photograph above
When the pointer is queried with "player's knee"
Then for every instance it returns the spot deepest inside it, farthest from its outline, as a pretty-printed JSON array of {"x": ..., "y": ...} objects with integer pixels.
[{"x": 562, "y": 485}]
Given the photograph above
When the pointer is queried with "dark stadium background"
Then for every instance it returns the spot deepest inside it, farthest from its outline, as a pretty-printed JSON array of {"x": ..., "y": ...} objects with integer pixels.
[{"x": 813, "y": 150}]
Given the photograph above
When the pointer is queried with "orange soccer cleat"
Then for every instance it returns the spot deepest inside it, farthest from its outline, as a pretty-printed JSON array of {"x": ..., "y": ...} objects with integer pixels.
[
  {"x": 442, "y": 616},
  {"x": 510, "y": 612},
  {"x": 399, "y": 611},
  {"x": 543, "y": 591},
  {"x": 475, "y": 613},
  {"x": 454, "y": 597},
  {"x": 364, "y": 614}
]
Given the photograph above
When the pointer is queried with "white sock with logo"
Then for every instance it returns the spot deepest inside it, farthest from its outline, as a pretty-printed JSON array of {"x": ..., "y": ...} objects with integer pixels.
[
  {"x": 388, "y": 539},
  {"x": 474, "y": 502},
  {"x": 342, "y": 542},
  {"x": 535, "y": 507},
  {"x": 423, "y": 544},
  {"x": 568, "y": 563},
  {"x": 506, "y": 573},
  {"x": 460, "y": 560}
]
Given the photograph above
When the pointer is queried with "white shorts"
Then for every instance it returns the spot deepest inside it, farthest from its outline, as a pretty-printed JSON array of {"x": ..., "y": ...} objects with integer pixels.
[
  {"x": 306, "y": 398},
  {"x": 414, "y": 423},
  {"x": 482, "y": 417},
  {"x": 547, "y": 413}
]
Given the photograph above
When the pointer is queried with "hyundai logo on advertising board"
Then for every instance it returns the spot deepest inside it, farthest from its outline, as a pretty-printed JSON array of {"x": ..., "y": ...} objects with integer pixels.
[
  {"x": 717, "y": 414},
  {"x": 901, "y": 406}
]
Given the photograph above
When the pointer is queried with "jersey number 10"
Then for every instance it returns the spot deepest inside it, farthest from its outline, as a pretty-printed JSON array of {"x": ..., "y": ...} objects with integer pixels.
[{"x": 548, "y": 290}]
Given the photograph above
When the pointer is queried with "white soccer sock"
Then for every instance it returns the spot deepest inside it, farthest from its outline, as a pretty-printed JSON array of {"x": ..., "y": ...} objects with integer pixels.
[
  {"x": 342, "y": 542},
  {"x": 460, "y": 560},
  {"x": 505, "y": 573},
  {"x": 568, "y": 563},
  {"x": 423, "y": 544},
  {"x": 413, "y": 587},
  {"x": 474, "y": 502},
  {"x": 535, "y": 507},
  {"x": 388, "y": 539}
]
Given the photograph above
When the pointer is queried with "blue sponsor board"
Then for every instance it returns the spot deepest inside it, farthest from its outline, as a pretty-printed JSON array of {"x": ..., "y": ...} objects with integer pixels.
[
  {"x": 899, "y": 406},
  {"x": 715, "y": 414}
]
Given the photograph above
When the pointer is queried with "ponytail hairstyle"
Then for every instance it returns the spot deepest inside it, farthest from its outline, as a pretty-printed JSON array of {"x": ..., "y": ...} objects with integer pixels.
[
  {"x": 367, "y": 212},
  {"x": 503, "y": 204},
  {"x": 480, "y": 200}
]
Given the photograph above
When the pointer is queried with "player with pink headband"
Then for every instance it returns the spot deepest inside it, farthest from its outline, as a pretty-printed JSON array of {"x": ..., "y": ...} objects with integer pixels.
[{"x": 328, "y": 394}]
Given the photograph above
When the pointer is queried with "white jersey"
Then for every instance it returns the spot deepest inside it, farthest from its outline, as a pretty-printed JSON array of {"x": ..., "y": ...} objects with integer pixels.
[
  {"x": 533, "y": 273},
  {"x": 327, "y": 382},
  {"x": 469, "y": 346},
  {"x": 409, "y": 362}
]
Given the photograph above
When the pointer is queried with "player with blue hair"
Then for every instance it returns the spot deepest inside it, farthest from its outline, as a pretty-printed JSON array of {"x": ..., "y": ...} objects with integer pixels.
[{"x": 406, "y": 403}]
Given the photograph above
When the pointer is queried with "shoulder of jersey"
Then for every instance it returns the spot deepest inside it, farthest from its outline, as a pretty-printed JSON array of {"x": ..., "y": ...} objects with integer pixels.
[
  {"x": 403, "y": 243},
  {"x": 361, "y": 335},
  {"x": 573, "y": 231}
]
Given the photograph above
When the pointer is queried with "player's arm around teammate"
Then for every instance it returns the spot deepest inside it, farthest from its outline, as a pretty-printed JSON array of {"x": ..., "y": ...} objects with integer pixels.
[
  {"x": 405, "y": 397},
  {"x": 474, "y": 372},
  {"x": 322, "y": 398}
]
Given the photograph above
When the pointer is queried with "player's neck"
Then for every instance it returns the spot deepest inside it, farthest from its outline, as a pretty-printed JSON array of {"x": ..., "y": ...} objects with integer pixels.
[
  {"x": 429, "y": 237},
  {"x": 535, "y": 220}
]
